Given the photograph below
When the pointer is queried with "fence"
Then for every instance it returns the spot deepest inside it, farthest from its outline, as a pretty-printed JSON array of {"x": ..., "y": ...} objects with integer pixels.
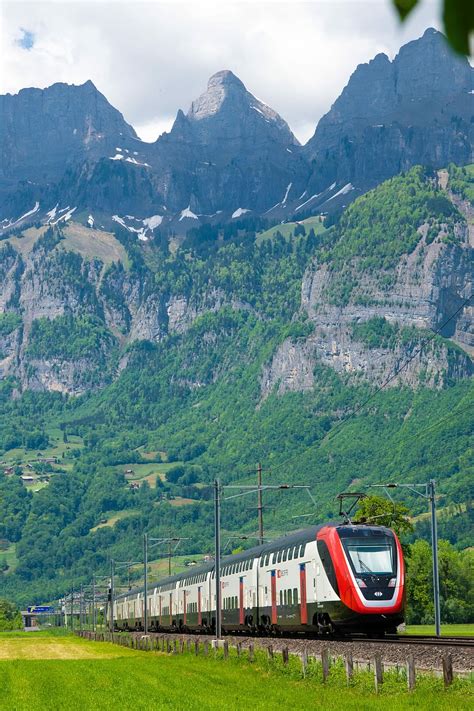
[{"x": 178, "y": 645}]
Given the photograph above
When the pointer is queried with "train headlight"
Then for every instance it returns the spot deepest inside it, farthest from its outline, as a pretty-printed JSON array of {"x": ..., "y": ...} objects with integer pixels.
[
  {"x": 360, "y": 583},
  {"x": 392, "y": 582}
]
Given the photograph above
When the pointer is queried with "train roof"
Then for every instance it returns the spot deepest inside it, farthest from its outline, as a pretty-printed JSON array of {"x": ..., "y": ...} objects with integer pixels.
[{"x": 292, "y": 539}]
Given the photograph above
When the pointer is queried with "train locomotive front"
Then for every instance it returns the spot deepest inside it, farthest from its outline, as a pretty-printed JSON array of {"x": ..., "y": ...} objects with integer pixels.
[{"x": 365, "y": 568}]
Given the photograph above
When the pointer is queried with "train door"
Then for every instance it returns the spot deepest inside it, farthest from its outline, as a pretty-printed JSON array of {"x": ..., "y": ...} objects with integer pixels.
[
  {"x": 184, "y": 607},
  {"x": 199, "y": 606},
  {"x": 160, "y": 609},
  {"x": 241, "y": 601},
  {"x": 273, "y": 581},
  {"x": 171, "y": 609},
  {"x": 303, "y": 595}
]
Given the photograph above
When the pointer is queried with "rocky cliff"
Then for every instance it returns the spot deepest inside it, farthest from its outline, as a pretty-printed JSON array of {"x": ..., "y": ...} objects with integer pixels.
[
  {"x": 73, "y": 299},
  {"x": 65, "y": 148},
  {"x": 416, "y": 109}
]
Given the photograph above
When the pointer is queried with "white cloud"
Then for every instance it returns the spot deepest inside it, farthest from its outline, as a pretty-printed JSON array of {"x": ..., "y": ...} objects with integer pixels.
[{"x": 151, "y": 58}]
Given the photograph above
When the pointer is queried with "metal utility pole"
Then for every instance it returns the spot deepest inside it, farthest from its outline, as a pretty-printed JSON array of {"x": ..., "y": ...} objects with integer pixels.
[
  {"x": 217, "y": 566},
  {"x": 145, "y": 583},
  {"x": 81, "y": 593},
  {"x": 147, "y": 544},
  {"x": 93, "y": 603},
  {"x": 430, "y": 494},
  {"x": 243, "y": 491},
  {"x": 72, "y": 608},
  {"x": 169, "y": 558},
  {"x": 431, "y": 490},
  {"x": 112, "y": 571},
  {"x": 260, "y": 504}
]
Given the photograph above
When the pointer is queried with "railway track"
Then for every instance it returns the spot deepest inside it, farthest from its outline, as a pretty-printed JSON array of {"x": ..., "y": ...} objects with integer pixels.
[{"x": 466, "y": 642}]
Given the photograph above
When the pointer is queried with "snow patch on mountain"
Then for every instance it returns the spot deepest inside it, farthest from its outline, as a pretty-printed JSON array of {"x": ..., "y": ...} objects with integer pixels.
[
  {"x": 288, "y": 188},
  {"x": 27, "y": 214},
  {"x": 153, "y": 221},
  {"x": 239, "y": 212},
  {"x": 343, "y": 191},
  {"x": 187, "y": 212}
]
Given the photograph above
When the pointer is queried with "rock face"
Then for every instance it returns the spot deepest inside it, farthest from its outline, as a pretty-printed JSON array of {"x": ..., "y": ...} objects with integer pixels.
[
  {"x": 230, "y": 152},
  {"x": 430, "y": 285},
  {"x": 393, "y": 115},
  {"x": 44, "y": 131},
  {"x": 231, "y": 155}
]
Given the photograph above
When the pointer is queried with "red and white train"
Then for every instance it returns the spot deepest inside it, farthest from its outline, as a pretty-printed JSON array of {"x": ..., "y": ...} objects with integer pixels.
[{"x": 327, "y": 578}]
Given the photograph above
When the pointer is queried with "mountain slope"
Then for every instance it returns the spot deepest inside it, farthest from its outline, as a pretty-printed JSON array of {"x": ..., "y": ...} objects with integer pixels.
[{"x": 230, "y": 350}]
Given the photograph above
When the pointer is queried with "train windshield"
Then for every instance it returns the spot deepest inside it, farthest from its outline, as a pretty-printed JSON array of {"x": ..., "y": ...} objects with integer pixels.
[{"x": 370, "y": 556}]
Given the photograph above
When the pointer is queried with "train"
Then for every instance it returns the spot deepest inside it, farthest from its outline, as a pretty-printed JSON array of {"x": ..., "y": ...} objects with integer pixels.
[{"x": 331, "y": 578}]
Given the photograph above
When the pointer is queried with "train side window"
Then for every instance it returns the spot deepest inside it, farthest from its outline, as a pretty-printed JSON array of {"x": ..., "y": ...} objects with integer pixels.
[
  {"x": 290, "y": 554},
  {"x": 261, "y": 562},
  {"x": 279, "y": 557},
  {"x": 290, "y": 600},
  {"x": 285, "y": 553},
  {"x": 285, "y": 597},
  {"x": 281, "y": 597}
]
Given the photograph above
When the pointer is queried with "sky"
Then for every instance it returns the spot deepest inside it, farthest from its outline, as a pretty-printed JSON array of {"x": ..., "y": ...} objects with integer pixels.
[{"x": 151, "y": 58}]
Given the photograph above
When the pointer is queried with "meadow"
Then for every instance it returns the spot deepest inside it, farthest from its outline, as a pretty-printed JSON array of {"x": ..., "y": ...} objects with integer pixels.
[{"x": 47, "y": 671}]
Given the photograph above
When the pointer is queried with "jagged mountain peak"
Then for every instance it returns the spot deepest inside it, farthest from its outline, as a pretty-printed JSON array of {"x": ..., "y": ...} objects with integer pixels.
[{"x": 227, "y": 103}]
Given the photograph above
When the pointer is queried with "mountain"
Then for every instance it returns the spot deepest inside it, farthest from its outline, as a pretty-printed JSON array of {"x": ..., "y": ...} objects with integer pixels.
[
  {"x": 230, "y": 156},
  {"x": 416, "y": 109},
  {"x": 47, "y": 130},
  {"x": 230, "y": 153}
]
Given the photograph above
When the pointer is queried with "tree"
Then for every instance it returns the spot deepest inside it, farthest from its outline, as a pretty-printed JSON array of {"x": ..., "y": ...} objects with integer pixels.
[
  {"x": 382, "y": 512},
  {"x": 10, "y": 617},
  {"x": 456, "y": 577}
]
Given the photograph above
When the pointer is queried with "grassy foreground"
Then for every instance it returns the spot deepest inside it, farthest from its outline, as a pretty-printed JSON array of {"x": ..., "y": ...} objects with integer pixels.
[{"x": 41, "y": 671}]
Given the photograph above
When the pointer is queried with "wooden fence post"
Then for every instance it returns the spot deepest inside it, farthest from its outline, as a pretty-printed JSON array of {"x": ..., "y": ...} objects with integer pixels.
[
  {"x": 325, "y": 663},
  {"x": 448, "y": 675},
  {"x": 250, "y": 652},
  {"x": 270, "y": 652},
  {"x": 181, "y": 646},
  {"x": 349, "y": 667},
  {"x": 378, "y": 671},
  {"x": 285, "y": 655},
  {"x": 304, "y": 662},
  {"x": 226, "y": 649},
  {"x": 239, "y": 648},
  {"x": 196, "y": 647},
  {"x": 411, "y": 676}
]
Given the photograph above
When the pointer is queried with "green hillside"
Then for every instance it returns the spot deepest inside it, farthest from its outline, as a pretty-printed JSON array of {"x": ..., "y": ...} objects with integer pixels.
[{"x": 141, "y": 454}]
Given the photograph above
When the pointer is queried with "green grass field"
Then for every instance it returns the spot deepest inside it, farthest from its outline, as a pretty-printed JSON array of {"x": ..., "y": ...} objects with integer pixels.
[
  {"x": 446, "y": 630},
  {"x": 148, "y": 471},
  {"x": 51, "y": 672},
  {"x": 287, "y": 229}
]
